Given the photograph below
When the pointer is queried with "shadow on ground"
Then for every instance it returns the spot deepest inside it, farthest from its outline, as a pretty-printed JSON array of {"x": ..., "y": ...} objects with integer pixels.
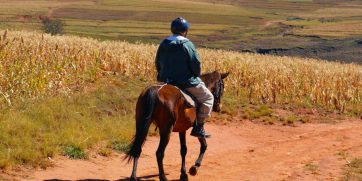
[{"x": 142, "y": 178}]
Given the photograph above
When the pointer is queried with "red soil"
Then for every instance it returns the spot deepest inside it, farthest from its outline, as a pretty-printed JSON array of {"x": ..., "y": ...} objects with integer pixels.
[{"x": 237, "y": 151}]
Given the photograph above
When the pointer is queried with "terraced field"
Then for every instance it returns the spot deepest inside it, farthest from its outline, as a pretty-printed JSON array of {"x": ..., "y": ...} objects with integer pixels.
[{"x": 319, "y": 29}]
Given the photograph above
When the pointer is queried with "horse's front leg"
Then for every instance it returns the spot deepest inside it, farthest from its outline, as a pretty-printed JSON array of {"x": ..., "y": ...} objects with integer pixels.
[
  {"x": 183, "y": 152},
  {"x": 203, "y": 147}
]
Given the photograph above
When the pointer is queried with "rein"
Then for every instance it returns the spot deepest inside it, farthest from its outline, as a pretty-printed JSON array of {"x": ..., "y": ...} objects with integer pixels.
[{"x": 218, "y": 91}]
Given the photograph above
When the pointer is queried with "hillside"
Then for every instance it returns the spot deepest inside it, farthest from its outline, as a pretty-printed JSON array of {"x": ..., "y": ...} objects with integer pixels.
[
  {"x": 291, "y": 110},
  {"x": 328, "y": 30}
]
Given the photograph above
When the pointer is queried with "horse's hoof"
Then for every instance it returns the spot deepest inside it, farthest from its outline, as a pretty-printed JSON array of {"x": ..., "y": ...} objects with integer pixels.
[
  {"x": 133, "y": 178},
  {"x": 193, "y": 170},
  {"x": 184, "y": 177}
]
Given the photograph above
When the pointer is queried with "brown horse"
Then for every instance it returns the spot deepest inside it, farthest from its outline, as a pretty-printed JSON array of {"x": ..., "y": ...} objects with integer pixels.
[{"x": 165, "y": 106}]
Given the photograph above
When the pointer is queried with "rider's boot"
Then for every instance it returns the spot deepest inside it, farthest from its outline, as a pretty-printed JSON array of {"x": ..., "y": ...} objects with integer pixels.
[{"x": 199, "y": 131}]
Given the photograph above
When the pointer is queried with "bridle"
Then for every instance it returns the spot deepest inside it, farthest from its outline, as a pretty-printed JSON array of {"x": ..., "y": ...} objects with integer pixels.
[{"x": 219, "y": 90}]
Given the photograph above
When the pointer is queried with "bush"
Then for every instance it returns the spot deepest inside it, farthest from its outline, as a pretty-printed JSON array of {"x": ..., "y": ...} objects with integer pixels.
[
  {"x": 74, "y": 152},
  {"x": 52, "y": 26},
  {"x": 120, "y": 146}
]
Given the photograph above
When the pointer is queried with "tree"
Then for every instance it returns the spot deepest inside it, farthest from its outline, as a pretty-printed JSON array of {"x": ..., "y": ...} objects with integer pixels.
[{"x": 52, "y": 26}]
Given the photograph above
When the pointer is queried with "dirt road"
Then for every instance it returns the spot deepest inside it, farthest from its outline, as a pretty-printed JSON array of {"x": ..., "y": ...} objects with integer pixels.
[{"x": 237, "y": 151}]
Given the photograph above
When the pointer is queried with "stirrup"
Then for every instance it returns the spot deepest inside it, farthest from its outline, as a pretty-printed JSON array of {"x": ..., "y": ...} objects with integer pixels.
[
  {"x": 205, "y": 135},
  {"x": 199, "y": 131}
]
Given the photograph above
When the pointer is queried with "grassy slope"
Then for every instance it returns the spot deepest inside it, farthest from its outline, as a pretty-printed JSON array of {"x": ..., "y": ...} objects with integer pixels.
[{"x": 101, "y": 113}]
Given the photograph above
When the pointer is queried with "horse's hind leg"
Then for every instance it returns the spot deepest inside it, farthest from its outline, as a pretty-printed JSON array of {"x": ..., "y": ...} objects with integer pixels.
[
  {"x": 133, "y": 176},
  {"x": 164, "y": 138},
  {"x": 193, "y": 169},
  {"x": 183, "y": 152}
]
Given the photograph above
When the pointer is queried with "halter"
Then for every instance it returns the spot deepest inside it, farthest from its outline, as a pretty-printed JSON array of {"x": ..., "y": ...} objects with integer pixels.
[{"x": 218, "y": 91}]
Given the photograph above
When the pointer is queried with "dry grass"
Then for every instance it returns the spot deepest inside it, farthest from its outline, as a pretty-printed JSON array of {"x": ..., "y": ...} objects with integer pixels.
[
  {"x": 353, "y": 170},
  {"x": 33, "y": 64},
  {"x": 99, "y": 116}
]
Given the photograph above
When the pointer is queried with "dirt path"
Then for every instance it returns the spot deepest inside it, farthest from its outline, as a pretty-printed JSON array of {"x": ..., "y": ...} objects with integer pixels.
[
  {"x": 238, "y": 151},
  {"x": 269, "y": 23}
]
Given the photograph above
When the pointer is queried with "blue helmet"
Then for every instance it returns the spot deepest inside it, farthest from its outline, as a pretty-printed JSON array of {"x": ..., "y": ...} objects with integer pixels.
[{"x": 179, "y": 25}]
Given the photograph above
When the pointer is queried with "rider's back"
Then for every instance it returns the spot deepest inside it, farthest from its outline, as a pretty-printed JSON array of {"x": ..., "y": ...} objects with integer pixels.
[{"x": 177, "y": 62}]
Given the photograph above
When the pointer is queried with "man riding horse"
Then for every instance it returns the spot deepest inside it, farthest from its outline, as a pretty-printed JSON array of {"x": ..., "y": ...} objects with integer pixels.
[
  {"x": 166, "y": 106},
  {"x": 178, "y": 63}
]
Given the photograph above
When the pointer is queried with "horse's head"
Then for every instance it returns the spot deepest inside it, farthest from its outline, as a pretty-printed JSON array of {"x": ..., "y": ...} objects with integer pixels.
[{"x": 215, "y": 83}]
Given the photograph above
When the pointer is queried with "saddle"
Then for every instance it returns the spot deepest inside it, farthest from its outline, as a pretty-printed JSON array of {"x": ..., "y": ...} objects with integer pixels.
[{"x": 190, "y": 99}]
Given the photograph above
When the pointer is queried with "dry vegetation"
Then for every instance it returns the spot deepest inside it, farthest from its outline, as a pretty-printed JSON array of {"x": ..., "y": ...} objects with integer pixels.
[{"x": 34, "y": 64}]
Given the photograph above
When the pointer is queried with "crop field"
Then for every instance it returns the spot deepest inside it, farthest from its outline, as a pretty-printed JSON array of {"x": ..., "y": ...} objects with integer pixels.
[
  {"x": 278, "y": 27},
  {"x": 54, "y": 64}
]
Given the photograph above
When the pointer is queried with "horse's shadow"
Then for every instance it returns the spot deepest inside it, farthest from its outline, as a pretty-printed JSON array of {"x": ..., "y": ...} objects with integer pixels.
[{"x": 142, "y": 178}]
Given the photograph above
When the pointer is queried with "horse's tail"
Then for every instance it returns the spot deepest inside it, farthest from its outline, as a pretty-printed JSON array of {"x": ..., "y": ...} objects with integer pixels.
[{"x": 144, "y": 110}]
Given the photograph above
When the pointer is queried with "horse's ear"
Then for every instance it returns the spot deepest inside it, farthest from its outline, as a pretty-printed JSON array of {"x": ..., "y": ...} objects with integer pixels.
[{"x": 224, "y": 75}]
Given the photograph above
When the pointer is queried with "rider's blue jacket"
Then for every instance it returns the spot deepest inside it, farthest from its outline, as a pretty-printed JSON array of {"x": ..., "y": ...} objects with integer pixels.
[{"x": 177, "y": 62}]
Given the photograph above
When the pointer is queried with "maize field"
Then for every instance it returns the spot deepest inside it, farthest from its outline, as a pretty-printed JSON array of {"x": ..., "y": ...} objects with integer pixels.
[{"x": 34, "y": 64}]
